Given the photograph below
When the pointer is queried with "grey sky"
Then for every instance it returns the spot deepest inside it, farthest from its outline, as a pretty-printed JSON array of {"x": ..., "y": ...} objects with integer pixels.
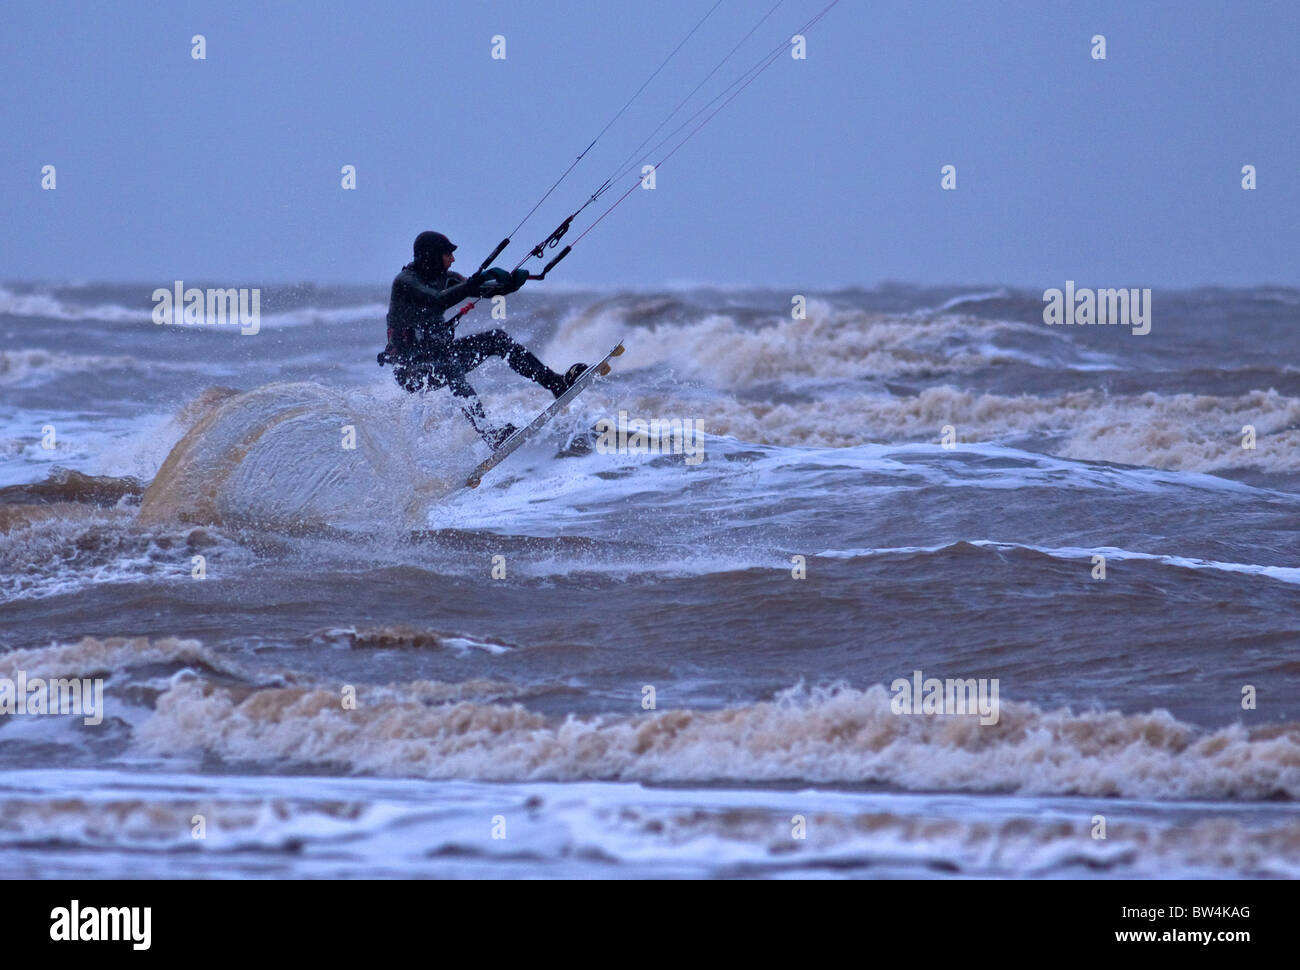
[{"x": 824, "y": 172}]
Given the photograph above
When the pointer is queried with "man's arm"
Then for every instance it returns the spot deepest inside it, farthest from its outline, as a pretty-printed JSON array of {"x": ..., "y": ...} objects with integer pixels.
[{"x": 465, "y": 289}]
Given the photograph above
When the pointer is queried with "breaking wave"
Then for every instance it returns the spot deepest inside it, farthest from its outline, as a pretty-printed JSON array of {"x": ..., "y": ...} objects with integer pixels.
[
  {"x": 1183, "y": 432},
  {"x": 832, "y": 343},
  {"x": 305, "y": 457},
  {"x": 821, "y": 736}
]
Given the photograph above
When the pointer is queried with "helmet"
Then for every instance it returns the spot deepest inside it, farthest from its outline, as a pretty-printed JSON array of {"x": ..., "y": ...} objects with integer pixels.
[{"x": 430, "y": 245}]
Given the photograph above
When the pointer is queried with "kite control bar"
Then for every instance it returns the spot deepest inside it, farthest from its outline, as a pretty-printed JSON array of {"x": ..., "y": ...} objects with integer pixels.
[
  {"x": 551, "y": 265},
  {"x": 532, "y": 276},
  {"x": 550, "y": 242}
]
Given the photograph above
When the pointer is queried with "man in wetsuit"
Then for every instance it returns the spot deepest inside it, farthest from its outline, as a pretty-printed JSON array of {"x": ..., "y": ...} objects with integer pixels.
[{"x": 423, "y": 347}]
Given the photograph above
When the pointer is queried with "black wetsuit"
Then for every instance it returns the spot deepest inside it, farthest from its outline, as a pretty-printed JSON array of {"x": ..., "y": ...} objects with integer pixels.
[{"x": 423, "y": 347}]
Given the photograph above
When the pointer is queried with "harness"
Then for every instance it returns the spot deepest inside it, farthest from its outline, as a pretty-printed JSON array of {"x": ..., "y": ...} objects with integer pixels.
[
  {"x": 415, "y": 342},
  {"x": 409, "y": 344}
]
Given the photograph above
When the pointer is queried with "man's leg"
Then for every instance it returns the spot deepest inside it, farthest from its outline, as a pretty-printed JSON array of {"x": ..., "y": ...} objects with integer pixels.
[
  {"x": 414, "y": 376},
  {"x": 417, "y": 375},
  {"x": 471, "y": 351},
  {"x": 471, "y": 406}
]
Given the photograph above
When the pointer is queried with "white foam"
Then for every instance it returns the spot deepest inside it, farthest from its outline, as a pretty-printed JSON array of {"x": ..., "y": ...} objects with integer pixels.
[{"x": 1285, "y": 574}]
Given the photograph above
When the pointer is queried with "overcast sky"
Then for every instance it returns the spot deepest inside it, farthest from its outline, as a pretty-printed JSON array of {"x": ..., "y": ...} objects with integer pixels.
[{"x": 823, "y": 172}]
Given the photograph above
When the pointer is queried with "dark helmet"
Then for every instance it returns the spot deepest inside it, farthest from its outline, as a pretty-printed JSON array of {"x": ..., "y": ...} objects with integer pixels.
[{"x": 430, "y": 245}]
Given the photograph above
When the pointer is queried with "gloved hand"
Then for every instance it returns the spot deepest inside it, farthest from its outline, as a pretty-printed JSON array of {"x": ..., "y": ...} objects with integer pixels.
[
  {"x": 474, "y": 286},
  {"x": 497, "y": 281},
  {"x": 517, "y": 279}
]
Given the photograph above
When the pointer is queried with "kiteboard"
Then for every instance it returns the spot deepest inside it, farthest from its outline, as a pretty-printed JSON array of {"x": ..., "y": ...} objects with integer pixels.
[{"x": 526, "y": 433}]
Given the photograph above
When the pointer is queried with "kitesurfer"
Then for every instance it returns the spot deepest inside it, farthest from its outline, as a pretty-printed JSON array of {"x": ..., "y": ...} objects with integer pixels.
[{"x": 423, "y": 347}]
